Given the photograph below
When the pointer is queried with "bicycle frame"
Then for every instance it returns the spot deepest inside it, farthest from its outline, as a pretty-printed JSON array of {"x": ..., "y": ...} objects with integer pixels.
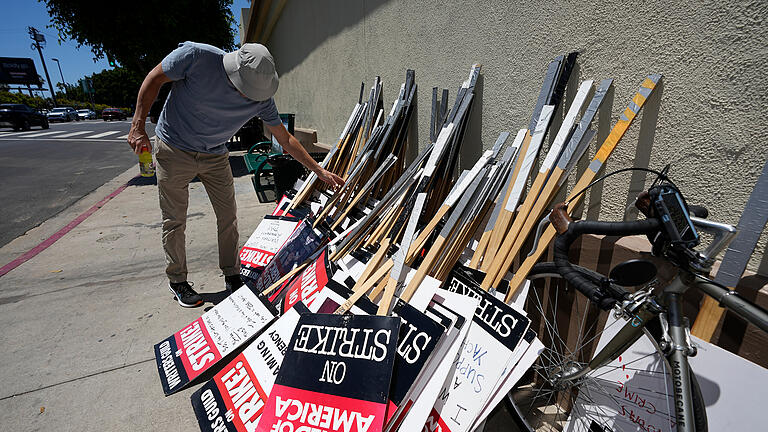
[{"x": 675, "y": 339}]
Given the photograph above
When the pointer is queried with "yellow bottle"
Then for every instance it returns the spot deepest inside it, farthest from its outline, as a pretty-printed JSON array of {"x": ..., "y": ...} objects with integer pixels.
[{"x": 146, "y": 166}]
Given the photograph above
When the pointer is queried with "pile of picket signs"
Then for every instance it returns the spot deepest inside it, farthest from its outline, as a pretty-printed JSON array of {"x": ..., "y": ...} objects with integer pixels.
[{"x": 383, "y": 305}]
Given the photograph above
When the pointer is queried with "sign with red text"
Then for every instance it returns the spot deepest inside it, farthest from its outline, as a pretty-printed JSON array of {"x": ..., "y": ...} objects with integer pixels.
[
  {"x": 630, "y": 391},
  {"x": 264, "y": 243},
  {"x": 186, "y": 354},
  {"x": 300, "y": 245},
  {"x": 307, "y": 285},
  {"x": 335, "y": 375},
  {"x": 234, "y": 399}
]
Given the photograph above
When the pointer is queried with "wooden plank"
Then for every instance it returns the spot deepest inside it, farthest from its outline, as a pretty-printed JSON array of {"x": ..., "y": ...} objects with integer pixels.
[
  {"x": 551, "y": 175},
  {"x": 618, "y": 131},
  {"x": 508, "y": 209}
]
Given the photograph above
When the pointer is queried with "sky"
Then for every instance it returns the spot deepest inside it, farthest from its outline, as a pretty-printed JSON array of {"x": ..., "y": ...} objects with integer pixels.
[{"x": 75, "y": 62}]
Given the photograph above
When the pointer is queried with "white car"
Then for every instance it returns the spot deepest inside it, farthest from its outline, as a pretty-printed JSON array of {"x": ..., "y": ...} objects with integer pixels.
[
  {"x": 86, "y": 114},
  {"x": 62, "y": 114}
]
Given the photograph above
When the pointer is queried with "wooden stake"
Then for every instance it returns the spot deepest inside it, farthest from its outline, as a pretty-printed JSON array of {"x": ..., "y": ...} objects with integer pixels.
[{"x": 618, "y": 131}]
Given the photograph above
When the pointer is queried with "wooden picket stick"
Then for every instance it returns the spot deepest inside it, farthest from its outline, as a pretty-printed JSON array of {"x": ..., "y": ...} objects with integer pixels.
[
  {"x": 364, "y": 192},
  {"x": 375, "y": 261},
  {"x": 360, "y": 288},
  {"x": 537, "y": 138},
  {"x": 378, "y": 289},
  {"x": 436, "y": 250},
  {"x": 500, "y": 218},
  {"x": 399, "y": 258},
  {"x": 535, "y": 202},
  {"x": 505, "y": 215},
  {"x": 608, "y": 146}
]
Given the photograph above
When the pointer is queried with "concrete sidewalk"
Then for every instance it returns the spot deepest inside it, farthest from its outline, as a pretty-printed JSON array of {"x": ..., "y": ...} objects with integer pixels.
[{"x": 80, "y": 319}]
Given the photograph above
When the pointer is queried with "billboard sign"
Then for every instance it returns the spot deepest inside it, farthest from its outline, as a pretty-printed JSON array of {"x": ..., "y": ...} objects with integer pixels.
[{"x": 15, "y": 70}]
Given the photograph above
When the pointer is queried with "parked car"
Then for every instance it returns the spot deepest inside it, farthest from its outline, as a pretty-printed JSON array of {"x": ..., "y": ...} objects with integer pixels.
[
  {"x": 63, "y": 114},
  {"x": 21, "y": 117},
  {"x": 86, "y": 114},
  {"x": 113, "y": 114}
]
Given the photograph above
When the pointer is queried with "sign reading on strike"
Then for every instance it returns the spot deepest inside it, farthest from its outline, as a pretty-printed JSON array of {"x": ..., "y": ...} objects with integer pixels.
[{"x": 335, "y": 375}]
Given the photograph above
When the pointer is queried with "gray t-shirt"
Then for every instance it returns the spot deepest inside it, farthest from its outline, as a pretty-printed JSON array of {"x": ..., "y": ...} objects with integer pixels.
[{"x": 203, "y": 110}]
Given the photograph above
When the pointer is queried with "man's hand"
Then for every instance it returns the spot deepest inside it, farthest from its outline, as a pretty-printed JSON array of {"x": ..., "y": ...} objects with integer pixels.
[
  {"x": 138, "y": 139},
  {"x": 330, "y": 178}
]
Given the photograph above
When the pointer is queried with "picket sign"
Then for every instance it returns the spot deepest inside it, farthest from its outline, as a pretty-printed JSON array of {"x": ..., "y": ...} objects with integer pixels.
[
  {"x": 328, "y": 358},
  {"x": 201, "y": 344},
  {"x": 495, "y": 333},
  {"x": 235, "y": 397},
  {"x": 413, "y": 414},
  {"x": 264, "y": 243}
]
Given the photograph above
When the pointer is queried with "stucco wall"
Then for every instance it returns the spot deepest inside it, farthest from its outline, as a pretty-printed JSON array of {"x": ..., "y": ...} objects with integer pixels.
[{"x": 712, "y": 124}]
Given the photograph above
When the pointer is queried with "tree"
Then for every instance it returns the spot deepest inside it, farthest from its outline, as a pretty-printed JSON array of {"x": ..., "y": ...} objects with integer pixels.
[
  {"x": 116, "y": 87},
  {"x": 138, "y": 34}
]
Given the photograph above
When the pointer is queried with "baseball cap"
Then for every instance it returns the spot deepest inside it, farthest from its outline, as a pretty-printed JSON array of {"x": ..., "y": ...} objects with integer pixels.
[{"x": 252, "y": 70}]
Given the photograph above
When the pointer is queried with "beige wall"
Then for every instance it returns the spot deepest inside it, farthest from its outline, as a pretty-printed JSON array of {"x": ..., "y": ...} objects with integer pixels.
[{"x": 712, "y": 124}]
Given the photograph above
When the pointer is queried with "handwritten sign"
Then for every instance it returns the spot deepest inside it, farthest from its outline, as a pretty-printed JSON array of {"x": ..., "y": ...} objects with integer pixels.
[
  {"x": 263, "y": 244},
  {"x": 186, "y": 354}
]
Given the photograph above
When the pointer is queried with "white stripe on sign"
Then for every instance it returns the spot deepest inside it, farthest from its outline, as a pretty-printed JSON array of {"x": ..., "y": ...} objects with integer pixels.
[
  {"x": 73, "y": 134},
  {"x": 43, "y": 134},
  {"x": 102, "y": 135}
]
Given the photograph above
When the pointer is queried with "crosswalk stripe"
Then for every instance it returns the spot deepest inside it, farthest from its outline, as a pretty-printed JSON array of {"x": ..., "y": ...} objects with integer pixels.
[
  {"x": 103, "y": 134},
  {"x": 123, "y": 137},
  {"x": 43, "y": 134},
  {"x": 23, "y": 133},
  {"x": 73, "y": 134}
]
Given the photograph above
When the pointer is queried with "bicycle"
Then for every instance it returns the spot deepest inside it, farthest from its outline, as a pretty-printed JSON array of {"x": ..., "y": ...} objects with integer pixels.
[{"x": 598, "y": 380}]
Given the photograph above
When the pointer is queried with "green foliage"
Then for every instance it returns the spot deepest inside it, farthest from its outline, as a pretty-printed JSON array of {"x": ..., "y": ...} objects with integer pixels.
[
  {"x": 140, "y": 33},
  {"x": 112, "y": 88},
  {"x": 117, "y": 87}
]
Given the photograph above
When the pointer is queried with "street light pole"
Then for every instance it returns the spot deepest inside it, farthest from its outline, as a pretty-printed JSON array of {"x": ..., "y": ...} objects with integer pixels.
[
  {"x": 38, "y": 37},
  {"x": 60, "y": 73}
]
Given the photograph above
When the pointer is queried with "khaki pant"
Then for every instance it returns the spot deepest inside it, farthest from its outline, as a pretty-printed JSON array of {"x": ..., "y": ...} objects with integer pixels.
[{"x": 175, "y": 170}]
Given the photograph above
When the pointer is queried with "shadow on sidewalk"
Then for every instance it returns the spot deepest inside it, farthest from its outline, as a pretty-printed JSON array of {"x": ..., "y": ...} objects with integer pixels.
[
  {"x": 214, "y": 298},
  {"x": 237, "y": 163}
]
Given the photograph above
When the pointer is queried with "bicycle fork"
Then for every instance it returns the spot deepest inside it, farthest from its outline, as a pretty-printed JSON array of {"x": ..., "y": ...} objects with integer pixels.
[{"x": 674, "y": 342}]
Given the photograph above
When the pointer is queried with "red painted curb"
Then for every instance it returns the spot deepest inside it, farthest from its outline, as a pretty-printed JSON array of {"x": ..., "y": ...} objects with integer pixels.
[{"x": 59, "y": 234}]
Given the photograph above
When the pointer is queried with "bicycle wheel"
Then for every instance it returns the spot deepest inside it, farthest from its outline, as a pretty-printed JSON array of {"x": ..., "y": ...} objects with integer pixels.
[{"x": 632, "y": 393}]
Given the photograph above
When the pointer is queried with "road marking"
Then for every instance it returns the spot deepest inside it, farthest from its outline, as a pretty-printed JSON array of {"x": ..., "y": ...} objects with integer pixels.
[
  {"x": 23, "y": 133},
  {"x": 74, "y": 133},
  {"x": 42, "y": 134},
  {"x": 103, "y": 134},
  {"x": 123, "y": 137}
]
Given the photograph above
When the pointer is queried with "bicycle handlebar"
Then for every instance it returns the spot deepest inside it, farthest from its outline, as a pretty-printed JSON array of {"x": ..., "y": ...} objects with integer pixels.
[{"x": 569, "y": 231}]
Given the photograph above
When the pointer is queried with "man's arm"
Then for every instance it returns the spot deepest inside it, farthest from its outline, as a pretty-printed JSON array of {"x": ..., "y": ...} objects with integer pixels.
[
  {"x": 295, "y": 149},
  {"x": 137, "y": 137}
]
